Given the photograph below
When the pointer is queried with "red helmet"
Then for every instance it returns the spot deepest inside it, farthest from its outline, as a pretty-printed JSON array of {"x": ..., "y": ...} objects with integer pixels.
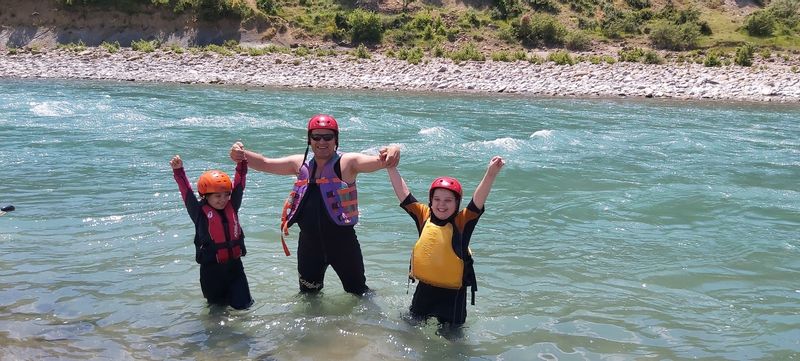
[
  {"x": 448, "y": 183},
  {"x": 323, "y": 121},
  {"x": 214, "y": 181}
]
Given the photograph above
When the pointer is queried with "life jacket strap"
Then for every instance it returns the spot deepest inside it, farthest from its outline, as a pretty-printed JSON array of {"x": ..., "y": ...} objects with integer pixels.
[
  {"x": 473, "y": 289},
  {"x": 284, "y": 231},
  {"x": 285, "y": 248}
]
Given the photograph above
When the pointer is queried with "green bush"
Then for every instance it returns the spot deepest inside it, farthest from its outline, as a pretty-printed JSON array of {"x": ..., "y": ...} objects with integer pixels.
[
  {"x": 362, "y": 52},
  {"x": 144, "y": 45},
  {"x": 561, "y": 57},
  {"x": 665, "y": 35},
  {"x": 520, "y": 55},
  {"x": 535, "y": 59},
  {"x": 470, "y": 20},
  {"x": 365, "y": 27},
  {"x": 214, "y": 48},
  {"x": 467, "y": 52},
  {"x": 638, "y": 4},
  {"x": 744, "y": 55},
  {"x": 586, "y": 23},
  {"x": 651, "y": 57},
  {"x": 110, "y": 47},
  {"x": 301, "y": 51},
  {"x": 786, "y": 12},
  {"x": 175, "y": 48},
  {"x": 577, "y": 41},
  {"x": 712, "y": 60},
  {"x": 75, "y": 47},
  {"x": 232, "y": 45},
  {"x": 421, "y": 19},
  {"x": 506, "y": 9},
  {"x": 585, "y": 7},
  {"x": 548, "y": 6},
  {"x": 539, "y": 29},
  {"x": 688, "y": 15},
  {"x": 501, "y": 55},
  {"x": 438, "y": 51},
  {"x": 759, "y": 23},
  {"x": 631, "y": 56},
  {"x": 269, "y": 7},
  {"x": 616, "y": 22},
  {"x": 414, "y": 56},
  {"x": 219, "y": 9}
]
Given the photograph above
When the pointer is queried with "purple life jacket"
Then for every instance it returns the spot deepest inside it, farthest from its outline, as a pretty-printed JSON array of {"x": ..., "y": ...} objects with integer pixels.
[{"x": 340, "y": 198}]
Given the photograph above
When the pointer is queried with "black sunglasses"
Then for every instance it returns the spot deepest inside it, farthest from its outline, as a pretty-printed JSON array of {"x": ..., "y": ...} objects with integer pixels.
[{"x": 318, "y": 137}]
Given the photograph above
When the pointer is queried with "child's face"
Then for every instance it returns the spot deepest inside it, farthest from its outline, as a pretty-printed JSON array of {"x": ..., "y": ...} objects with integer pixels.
[
  {"x": 218, "y": 200},
  {"x": 443, "y": 203}
]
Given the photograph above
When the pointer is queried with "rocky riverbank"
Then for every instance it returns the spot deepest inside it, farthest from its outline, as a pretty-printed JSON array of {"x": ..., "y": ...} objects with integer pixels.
[{"x": 777, "y": 81}]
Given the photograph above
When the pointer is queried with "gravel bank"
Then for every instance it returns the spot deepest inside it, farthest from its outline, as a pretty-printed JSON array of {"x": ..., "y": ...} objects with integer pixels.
[{"x": 764, "y": 82}]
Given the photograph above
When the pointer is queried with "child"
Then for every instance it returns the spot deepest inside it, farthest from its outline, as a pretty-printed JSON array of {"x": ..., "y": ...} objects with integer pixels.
[
  {"x": 441, "y": 259},
  {"x": 218, "y": 238}
]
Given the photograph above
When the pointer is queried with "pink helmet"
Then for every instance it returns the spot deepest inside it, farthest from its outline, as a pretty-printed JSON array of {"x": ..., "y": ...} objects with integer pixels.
[{"x": 448, "y": 183}]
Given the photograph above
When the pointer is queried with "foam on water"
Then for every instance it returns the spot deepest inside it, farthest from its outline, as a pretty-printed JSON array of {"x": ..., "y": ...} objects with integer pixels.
[
  {"x": 505, "y": 144},
  {"x": 434, "y": 131},
  {"x": 544, "y": 133},
  {"x": 51, "y": 109}
]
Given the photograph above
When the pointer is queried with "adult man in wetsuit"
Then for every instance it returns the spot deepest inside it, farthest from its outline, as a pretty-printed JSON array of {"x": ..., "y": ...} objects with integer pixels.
[{"x": 323, "y": 203}]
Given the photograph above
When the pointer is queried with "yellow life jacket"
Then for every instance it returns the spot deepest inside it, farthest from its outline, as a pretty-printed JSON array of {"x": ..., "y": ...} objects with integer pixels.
[{"x": 433, "y": 260}]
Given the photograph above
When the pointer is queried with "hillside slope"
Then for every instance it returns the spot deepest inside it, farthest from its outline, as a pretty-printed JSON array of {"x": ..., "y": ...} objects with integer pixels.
[{"x": 602, "y": 26}]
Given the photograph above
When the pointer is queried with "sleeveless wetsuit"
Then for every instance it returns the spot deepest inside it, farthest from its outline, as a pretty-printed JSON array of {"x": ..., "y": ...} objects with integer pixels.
[{"x": 322, "y": 242}]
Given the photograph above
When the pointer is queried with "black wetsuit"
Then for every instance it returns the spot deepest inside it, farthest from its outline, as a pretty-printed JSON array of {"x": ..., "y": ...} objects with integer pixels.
[
  {"x": 322, "y": 243},
  {"x": 221, "y": 283}
]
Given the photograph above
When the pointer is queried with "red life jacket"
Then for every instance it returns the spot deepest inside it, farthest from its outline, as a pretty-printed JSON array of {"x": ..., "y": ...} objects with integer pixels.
[{"x": 225, "y": 249}]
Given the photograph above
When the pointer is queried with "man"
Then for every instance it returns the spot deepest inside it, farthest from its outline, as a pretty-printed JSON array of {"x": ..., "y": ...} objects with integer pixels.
[{"x": 323, "y": 203}]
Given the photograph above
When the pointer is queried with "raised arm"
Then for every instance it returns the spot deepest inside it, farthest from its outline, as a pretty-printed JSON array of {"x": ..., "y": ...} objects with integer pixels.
[
  {"x": 482, "y": 192},
  {"x": 398, "y": 183},
  {"x": 239, "y": 181},
  {"x": 288, "y": 165},
  {"x": 354, "y": 163},
  {"x": 185, "y": 187}
]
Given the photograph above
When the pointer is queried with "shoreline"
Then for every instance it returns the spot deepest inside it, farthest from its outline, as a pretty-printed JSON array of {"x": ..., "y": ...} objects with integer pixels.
[{"x": 763, "y": 82}]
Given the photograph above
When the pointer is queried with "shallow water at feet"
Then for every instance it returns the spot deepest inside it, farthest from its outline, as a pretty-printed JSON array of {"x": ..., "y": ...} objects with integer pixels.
[{"x": 618, "y": 229}]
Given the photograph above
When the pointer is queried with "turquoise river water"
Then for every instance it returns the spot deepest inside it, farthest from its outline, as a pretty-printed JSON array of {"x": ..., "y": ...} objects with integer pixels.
[{"x": 618, "y": 229}]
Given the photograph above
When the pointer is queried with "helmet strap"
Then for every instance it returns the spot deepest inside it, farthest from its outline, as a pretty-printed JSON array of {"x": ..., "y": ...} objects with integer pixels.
[{"x": 305, "y": 156}]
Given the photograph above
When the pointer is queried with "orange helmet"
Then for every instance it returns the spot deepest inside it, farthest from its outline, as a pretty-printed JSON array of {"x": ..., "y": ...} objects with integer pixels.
[
  {"x": 214, "y": 181},
  {"x": 448, "y": 183},
  {"x": 323, "y": 121}
]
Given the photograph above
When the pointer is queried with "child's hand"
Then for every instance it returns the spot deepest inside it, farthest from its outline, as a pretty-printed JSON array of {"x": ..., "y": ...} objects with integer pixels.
[
  {"x": 176, "y": 162},
  {"x": 237, "y": 152},
  {"x": 389, "y": 156},
  {"x": 496, "y": 164}
]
